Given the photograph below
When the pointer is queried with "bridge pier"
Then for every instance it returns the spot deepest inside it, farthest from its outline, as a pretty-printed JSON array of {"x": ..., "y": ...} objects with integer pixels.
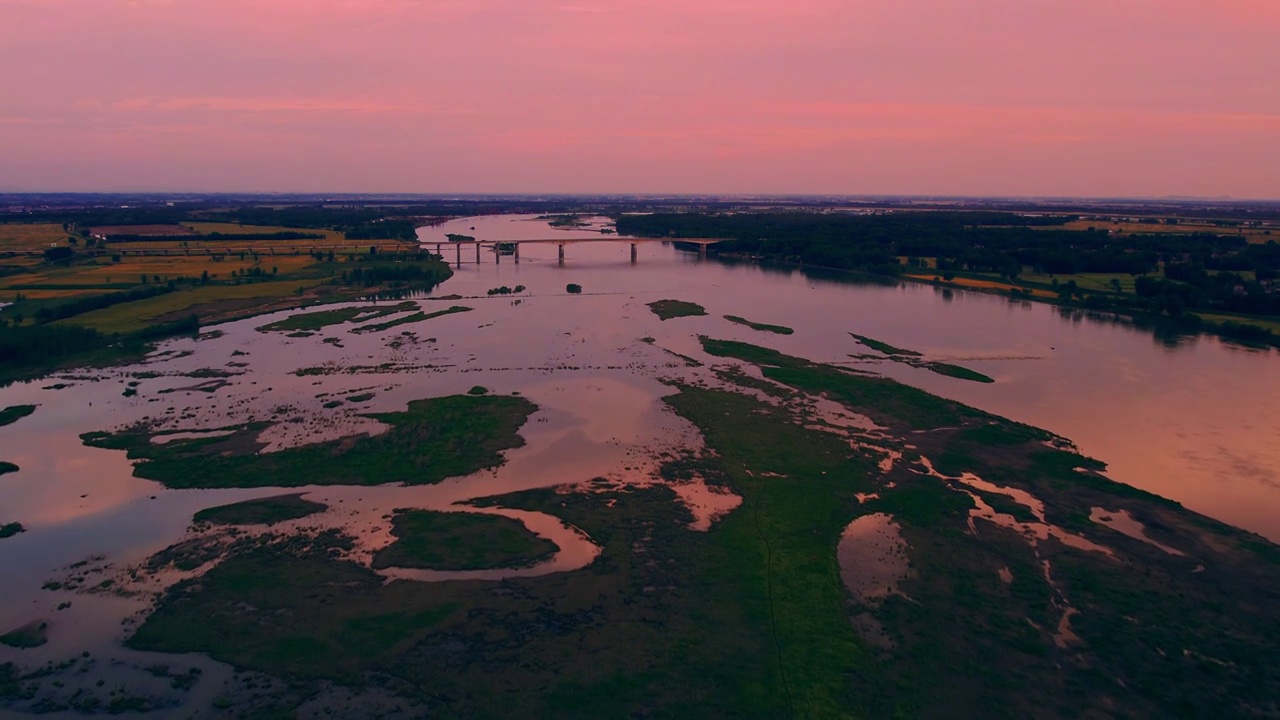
[
  {"x": 561, "y": 254},
  {"x": 458, "y": 248},
  {"x": 477, "y": 253},
  {"x": 517, "y": 253},
  {"x": 633, "y": 253},
  {"x": 702, "y": 251}
]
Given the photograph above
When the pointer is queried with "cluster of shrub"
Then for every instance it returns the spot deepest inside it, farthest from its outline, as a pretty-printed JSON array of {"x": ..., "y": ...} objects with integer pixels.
[
  {"x": 422, "y": 271},
  {"x": 504, "y": 290}
]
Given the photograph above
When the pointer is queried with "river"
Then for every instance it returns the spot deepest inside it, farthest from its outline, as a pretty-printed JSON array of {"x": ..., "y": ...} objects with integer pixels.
[{"x": 1193, "y": 421}]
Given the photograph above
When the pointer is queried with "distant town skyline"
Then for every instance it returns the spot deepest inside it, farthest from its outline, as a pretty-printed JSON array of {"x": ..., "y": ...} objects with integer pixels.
[{"x": 1145, "y": 98}]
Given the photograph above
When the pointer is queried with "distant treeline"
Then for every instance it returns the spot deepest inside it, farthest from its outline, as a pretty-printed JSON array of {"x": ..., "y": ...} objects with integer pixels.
[
  {"x": 33, "y": 349},
  {"x": 358, "y": 223},
  {"x": 1202, "y": 270},
  {"x": 1190, "y": 286},
  {"x": 864, "y": 242},
  {"x": 31, "y": 345},
  {"x": 283, "y": 235},
  {"x": 359, "y": 220}
]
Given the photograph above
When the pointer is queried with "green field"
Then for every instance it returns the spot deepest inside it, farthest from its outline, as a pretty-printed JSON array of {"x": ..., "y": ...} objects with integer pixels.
[
  {"x": 1094, "y": 282},
  {"x": 138, "y": 315},
  {"x": 1271, "y": 324},
  {"x": 460, "y": 541},
  {"x": 31, "y": 236},
  {"x": 232, "y": 229}
]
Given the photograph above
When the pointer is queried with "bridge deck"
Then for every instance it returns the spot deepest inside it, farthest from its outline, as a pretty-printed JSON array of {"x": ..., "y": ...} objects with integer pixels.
[{"x": 570, "y": 241}]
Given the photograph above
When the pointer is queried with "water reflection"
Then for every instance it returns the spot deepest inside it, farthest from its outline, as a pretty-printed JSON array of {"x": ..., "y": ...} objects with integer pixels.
[{"x": 1171, "y": 412}]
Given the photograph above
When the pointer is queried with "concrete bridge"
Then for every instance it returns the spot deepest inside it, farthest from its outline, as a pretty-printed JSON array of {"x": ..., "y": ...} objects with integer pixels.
[{"x": 702, "y": 244}]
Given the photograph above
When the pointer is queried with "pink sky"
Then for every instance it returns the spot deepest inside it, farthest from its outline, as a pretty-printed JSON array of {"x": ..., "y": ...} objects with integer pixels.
[{"x": 972, "y": 97}]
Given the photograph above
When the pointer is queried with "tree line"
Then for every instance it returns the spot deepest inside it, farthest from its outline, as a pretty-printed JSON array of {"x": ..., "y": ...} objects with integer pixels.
[
  {"x": 282, "y": 235},
  {"x": 1201, "y": 270}
]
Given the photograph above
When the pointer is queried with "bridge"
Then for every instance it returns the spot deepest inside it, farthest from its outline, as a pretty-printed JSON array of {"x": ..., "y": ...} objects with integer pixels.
[{"x": 635, "y": 242}]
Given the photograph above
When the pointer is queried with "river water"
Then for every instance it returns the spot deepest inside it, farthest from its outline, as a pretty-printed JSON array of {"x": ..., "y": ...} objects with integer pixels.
[{"x": 1193, "y": 421}]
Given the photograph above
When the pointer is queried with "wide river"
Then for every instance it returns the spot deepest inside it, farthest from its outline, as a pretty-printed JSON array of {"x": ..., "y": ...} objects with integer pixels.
[{"x": 1195, "y": 421}]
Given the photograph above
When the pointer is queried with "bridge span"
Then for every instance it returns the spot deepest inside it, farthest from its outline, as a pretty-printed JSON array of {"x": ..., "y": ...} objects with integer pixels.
[{"x": 514, "y": 245}]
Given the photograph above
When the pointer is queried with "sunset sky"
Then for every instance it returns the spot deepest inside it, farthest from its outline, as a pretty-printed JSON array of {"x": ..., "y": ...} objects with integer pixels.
[{"x": 968, "y": 97}]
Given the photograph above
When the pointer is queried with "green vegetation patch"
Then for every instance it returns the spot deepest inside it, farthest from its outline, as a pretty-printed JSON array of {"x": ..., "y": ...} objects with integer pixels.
[
  {"x": 622, "y": 637},
  {"x": 460, "y": 541},
  {"x": 32, "y": 635},
  {"x": 10, "y": 529},
  {"x": 883, "y": 347},
  {"x": 755, "y": 609},
  {"x": 955, "y": 371},
  {"x": 762, "y": 327},
  {"x": 304, "y": 322},
  {"x": 434, "y": 439},
  {"x": 7, "y": 467},
  {"x": 416, "y": 317},
  {"x": 975, "y": 627},
  {"x": 32, "y": 350},
  {"x": 913, "y": 358},
  {"x": 264, "y": 511},
  {"x": 668, "y": 309},
  {"x": 886, "y": 401},
  {"x": 14, "y": 413}
]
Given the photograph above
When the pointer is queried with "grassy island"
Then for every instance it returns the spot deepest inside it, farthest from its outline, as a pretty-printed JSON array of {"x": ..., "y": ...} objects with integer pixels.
[
  {"x": 460, "y": 541},
  {"x": 670, "y": 309},
  {"x": 762, "y": 327},
  {"x": 434, "y": 439},
  {"x": 266, "y": 511},
  {"x": 14, "y": 413}
]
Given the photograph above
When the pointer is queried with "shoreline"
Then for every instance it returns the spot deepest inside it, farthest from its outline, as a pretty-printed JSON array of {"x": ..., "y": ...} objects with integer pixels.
[{"x": 1142, "y": 320}]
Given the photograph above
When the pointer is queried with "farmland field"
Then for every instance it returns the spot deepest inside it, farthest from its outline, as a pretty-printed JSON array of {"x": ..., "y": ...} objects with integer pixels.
[
  {"x": 137, "y": 315},
  {"x": 34, "y": 236}
]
